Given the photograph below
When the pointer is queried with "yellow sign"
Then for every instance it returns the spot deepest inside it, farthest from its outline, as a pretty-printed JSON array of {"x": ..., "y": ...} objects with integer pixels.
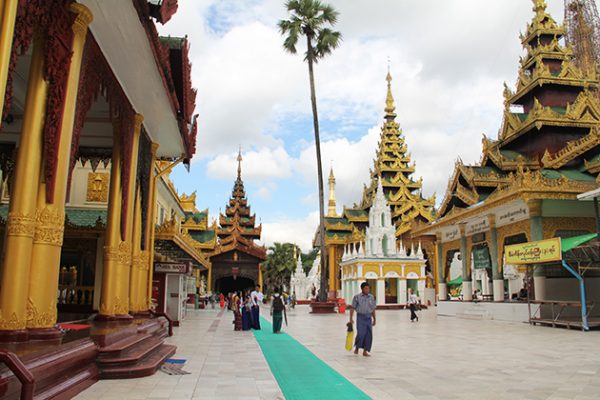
[{"x": 533, "y": 252}]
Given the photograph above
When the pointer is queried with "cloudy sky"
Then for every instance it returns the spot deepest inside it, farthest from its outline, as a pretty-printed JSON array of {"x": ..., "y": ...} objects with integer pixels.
[{"x": 448, "y": 60}]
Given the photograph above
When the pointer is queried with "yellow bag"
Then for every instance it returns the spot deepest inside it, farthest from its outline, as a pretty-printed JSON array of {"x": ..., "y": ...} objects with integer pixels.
[{"x": 349, "y": 337}]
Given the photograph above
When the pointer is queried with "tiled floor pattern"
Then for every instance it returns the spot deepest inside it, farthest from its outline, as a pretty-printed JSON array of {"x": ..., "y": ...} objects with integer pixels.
[
  {"x": 452, "y": 358},
  {"x": 436, "y": 358},
  {"x": 224, "y": 365}
]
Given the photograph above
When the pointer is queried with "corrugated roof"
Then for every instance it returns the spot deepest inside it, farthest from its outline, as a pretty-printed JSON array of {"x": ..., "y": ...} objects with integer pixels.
[
  {"x": 203, "y": 236},
  {"x": 85, "y": 217}
]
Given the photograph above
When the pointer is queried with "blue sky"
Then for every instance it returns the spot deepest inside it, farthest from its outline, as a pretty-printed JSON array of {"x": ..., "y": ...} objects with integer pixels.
[{"x": 448, "y": 61}]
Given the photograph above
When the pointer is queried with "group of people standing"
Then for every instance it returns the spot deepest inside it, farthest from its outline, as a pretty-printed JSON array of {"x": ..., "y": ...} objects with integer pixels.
[{"x": 245, "y": 306}]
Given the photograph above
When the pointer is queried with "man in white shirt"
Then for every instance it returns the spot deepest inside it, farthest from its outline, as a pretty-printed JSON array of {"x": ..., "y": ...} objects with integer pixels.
[
  {"x": 257, "y": 298},
  {"x": 412, "y": 302}
]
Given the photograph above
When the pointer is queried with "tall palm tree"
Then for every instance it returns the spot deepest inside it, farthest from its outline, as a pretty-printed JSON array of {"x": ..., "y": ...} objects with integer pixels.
[
  {"x": 311, "y": 18},
  {"x": 279, "y": 265}
]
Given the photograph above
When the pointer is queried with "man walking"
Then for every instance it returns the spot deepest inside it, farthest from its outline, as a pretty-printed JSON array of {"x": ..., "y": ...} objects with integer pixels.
[
  {"x": 364, "y": 305},
  {"x": 277, "y": 311},
  {"x": 412, "y": 303},
  {"x": 257, "y": 297}
]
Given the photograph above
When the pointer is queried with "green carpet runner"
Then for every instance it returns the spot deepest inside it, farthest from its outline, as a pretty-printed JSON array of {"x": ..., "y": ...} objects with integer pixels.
[{"x": 300, "y": 374}]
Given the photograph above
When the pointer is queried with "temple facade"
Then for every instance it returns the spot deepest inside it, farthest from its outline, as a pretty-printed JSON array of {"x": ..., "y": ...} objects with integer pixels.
[
  {"x": 382, "y": 260},
  {"x": 393, "y": 169},
  {"x": 236, "y": 259},
  {"x": 525, "y": 187},
  {"x": 92, "y": 97}
]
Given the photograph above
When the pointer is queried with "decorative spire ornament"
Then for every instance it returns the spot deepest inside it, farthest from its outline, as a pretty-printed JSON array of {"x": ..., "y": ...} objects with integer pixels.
[
  {"x": 331, "y": 205},
  {"x": 239, "y": 160},
  {"x": 390, "y": 107}
]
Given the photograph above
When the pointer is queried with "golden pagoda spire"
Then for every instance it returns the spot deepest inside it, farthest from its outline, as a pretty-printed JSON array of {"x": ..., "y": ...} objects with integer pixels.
[
  {"x": 390, "y": 107},
  {"x": 539, "y": 7},
  {"x": 332, "y": 208},
  {"x": 239, "y": 160}
]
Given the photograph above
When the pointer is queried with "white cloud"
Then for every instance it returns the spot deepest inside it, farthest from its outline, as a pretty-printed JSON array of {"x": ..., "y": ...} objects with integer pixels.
[
  {"x": 350, "y": 160},
  {"x": 448, "y": 60},
  {"x": 299, "y": 231},
  {"x": 257, "y": 165},
  {"x": 266, "y": 190}
]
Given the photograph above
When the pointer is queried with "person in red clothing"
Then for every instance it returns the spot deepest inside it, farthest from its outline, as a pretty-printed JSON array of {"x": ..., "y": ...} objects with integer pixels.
[{"x": 221, "y": 301}]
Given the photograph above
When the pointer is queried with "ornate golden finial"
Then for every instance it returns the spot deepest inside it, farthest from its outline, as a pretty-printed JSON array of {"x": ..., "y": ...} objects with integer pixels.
[
  {"x": 331, "y": 204},
  {"x": 239, "y": 160},
  {"x": 389, "y": 100},
  {"x": 539, "y": 7}
]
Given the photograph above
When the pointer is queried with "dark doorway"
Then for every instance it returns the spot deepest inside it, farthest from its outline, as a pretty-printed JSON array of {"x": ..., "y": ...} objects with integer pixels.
[{"x": 229, "y": 284}]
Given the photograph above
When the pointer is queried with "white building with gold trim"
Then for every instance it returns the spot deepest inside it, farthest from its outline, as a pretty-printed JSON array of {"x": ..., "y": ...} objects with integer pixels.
[{"x": 382, "y": 261}]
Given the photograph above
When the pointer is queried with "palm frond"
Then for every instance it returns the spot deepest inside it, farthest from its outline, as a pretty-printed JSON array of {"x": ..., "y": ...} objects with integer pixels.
[
  {"x": 327, "y": 41},
  {"x": 329, "y": 14},
  {"x": 293, "y": 29},
  {"x": 293, "y": 6}
]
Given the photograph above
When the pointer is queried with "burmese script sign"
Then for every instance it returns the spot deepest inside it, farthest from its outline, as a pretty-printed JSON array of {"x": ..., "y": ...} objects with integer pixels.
[
  {"x": 481, "y": 258},
  {"x": 171, "y": 268},
  {"x": 533, "y": 252},
  {"x": 517, "y": 212}
]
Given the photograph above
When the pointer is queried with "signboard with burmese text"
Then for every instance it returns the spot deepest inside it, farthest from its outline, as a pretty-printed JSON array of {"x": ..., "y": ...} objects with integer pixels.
[
  {"x": 171, "y": 268},
  {"x": 538, "y": 252}
]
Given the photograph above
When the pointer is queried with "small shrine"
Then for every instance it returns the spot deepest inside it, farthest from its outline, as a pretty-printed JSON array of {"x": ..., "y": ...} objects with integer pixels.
[
  {"x": 383, "y": 261},
  {"x": 304, "y": 285}
]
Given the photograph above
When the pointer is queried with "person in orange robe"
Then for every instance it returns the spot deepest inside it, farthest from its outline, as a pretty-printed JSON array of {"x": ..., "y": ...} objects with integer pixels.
[{"x": 221, "y": 301}]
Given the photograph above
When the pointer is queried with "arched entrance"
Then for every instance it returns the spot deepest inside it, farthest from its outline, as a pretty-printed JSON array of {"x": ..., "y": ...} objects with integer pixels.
[{"x": 228, "y": 284}]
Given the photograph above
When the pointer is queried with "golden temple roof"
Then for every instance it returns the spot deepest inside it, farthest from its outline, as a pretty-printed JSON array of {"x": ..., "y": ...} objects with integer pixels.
[
  {"x": 394, "y": 165},
  {"x": 554, "y": 138}
]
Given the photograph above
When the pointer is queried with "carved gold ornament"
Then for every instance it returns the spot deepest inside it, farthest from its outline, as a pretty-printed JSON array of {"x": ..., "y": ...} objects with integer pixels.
[
  {"x": 97, "y": 187},
  {"x": 118, "y": 307},
  {"x": 12, "y": 324},
  {"x": 49, "y": 226},
  {"x": 120, "y": 254},
  {"x": 20, "y": 224},
  {"x": 40, "y": 319}
]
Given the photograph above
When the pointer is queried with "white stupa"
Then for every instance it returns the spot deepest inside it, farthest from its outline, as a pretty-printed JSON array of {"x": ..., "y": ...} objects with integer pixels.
[{"x": 382, "y": 257}]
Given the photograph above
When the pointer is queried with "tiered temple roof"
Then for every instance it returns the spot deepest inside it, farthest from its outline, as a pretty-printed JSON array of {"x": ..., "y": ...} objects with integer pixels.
[
  {"x": 237, "y": 229},
  {"x": 550, "y": 130},
  {"x": 394, "y": 166},
  {"x": 196, "y": 223}
]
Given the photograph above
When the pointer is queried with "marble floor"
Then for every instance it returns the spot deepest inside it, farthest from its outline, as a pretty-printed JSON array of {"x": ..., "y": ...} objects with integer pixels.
[
  {"x": 219, "y": 360},
  {"x": 436, "y": 358}
]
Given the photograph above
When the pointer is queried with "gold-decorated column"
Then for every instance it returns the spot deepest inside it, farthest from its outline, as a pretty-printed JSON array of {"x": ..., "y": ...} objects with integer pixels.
[
  {"x": 150, "y": 226},
  {"x": 50, "y": 216},
  {"x": 332, "y": 268},
  {"x": 137, "y": 260},
  {"x": 260, "y": 277},
  {"x": 110, "y": 303},
  {"x": 21, "y": 212},
  {"x": 114, "y": 301},
  {"x": 8, "y": 14},
  {"x": 147, "y": 254}
]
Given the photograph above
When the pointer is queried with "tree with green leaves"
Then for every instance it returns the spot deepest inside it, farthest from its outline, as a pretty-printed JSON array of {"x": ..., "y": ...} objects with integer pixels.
[
  {"x": 279, "y": 266},
  {"x": 313, "y": 19},
  {"x": 308, "y": 259}
]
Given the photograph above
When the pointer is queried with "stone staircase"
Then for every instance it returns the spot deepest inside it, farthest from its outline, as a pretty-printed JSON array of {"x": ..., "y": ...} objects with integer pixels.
[
  {"x": 134, "y": 352},
  {"x": 59, "y": 374},
  {"x": 111, "y": 350}
]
